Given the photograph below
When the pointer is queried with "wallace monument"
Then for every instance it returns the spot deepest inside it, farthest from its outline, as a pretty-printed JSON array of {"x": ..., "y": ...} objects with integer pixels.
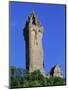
[
  {"x": 34, "y": 51},
  {"x": 33, "y": 33}
]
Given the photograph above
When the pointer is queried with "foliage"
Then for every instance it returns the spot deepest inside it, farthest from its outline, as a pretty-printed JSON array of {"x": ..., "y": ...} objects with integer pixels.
[{"x": 22, "y": 78}]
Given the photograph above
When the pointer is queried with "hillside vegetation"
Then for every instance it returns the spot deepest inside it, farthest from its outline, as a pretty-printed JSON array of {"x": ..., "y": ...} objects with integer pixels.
[{"x": 20, "y": 78}]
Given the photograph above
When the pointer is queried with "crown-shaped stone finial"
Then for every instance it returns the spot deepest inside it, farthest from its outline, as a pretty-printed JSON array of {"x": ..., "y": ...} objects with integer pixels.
[{"x": 33, "y": 19}]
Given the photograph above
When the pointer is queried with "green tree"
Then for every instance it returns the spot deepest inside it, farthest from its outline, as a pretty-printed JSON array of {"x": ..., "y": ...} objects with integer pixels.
[{"x": 59, "y": 81}]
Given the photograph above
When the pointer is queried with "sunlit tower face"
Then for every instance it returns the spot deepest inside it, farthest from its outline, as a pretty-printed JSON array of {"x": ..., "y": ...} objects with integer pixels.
[{"x": 35, "y": 32}]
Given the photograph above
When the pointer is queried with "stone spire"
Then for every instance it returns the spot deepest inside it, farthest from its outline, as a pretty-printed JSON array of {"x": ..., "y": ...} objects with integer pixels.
[
  {"x": 33, "y": 19},
  {"x": 33, "y": 13}
]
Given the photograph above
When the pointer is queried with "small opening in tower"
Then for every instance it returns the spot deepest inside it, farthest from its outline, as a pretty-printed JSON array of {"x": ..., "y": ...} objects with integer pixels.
[{"x": 33, "y": 20}]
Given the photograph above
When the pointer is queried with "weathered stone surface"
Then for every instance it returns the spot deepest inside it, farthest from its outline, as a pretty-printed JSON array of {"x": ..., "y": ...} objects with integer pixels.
[
  {"x": 56, "y": 71},
  {"x": 35, "y": 53}
]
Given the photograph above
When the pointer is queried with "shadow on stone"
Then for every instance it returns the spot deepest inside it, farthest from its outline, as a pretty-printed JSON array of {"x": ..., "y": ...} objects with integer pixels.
[{"x": 26, "y": 38}]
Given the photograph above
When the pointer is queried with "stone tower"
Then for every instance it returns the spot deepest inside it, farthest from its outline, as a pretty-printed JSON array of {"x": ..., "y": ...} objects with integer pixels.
[{"x": 33, "y": 33}]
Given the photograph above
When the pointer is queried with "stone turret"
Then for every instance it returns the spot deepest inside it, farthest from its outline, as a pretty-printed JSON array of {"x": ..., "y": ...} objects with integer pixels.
[{"x": 34, "y": 33}]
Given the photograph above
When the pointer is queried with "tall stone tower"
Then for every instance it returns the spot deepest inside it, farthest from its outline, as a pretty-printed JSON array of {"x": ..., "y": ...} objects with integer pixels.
[{"x": 33, "y": 33}]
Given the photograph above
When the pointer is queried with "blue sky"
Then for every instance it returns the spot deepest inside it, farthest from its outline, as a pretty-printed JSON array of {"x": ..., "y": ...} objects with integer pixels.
[{"x": 52, "y": 17}]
